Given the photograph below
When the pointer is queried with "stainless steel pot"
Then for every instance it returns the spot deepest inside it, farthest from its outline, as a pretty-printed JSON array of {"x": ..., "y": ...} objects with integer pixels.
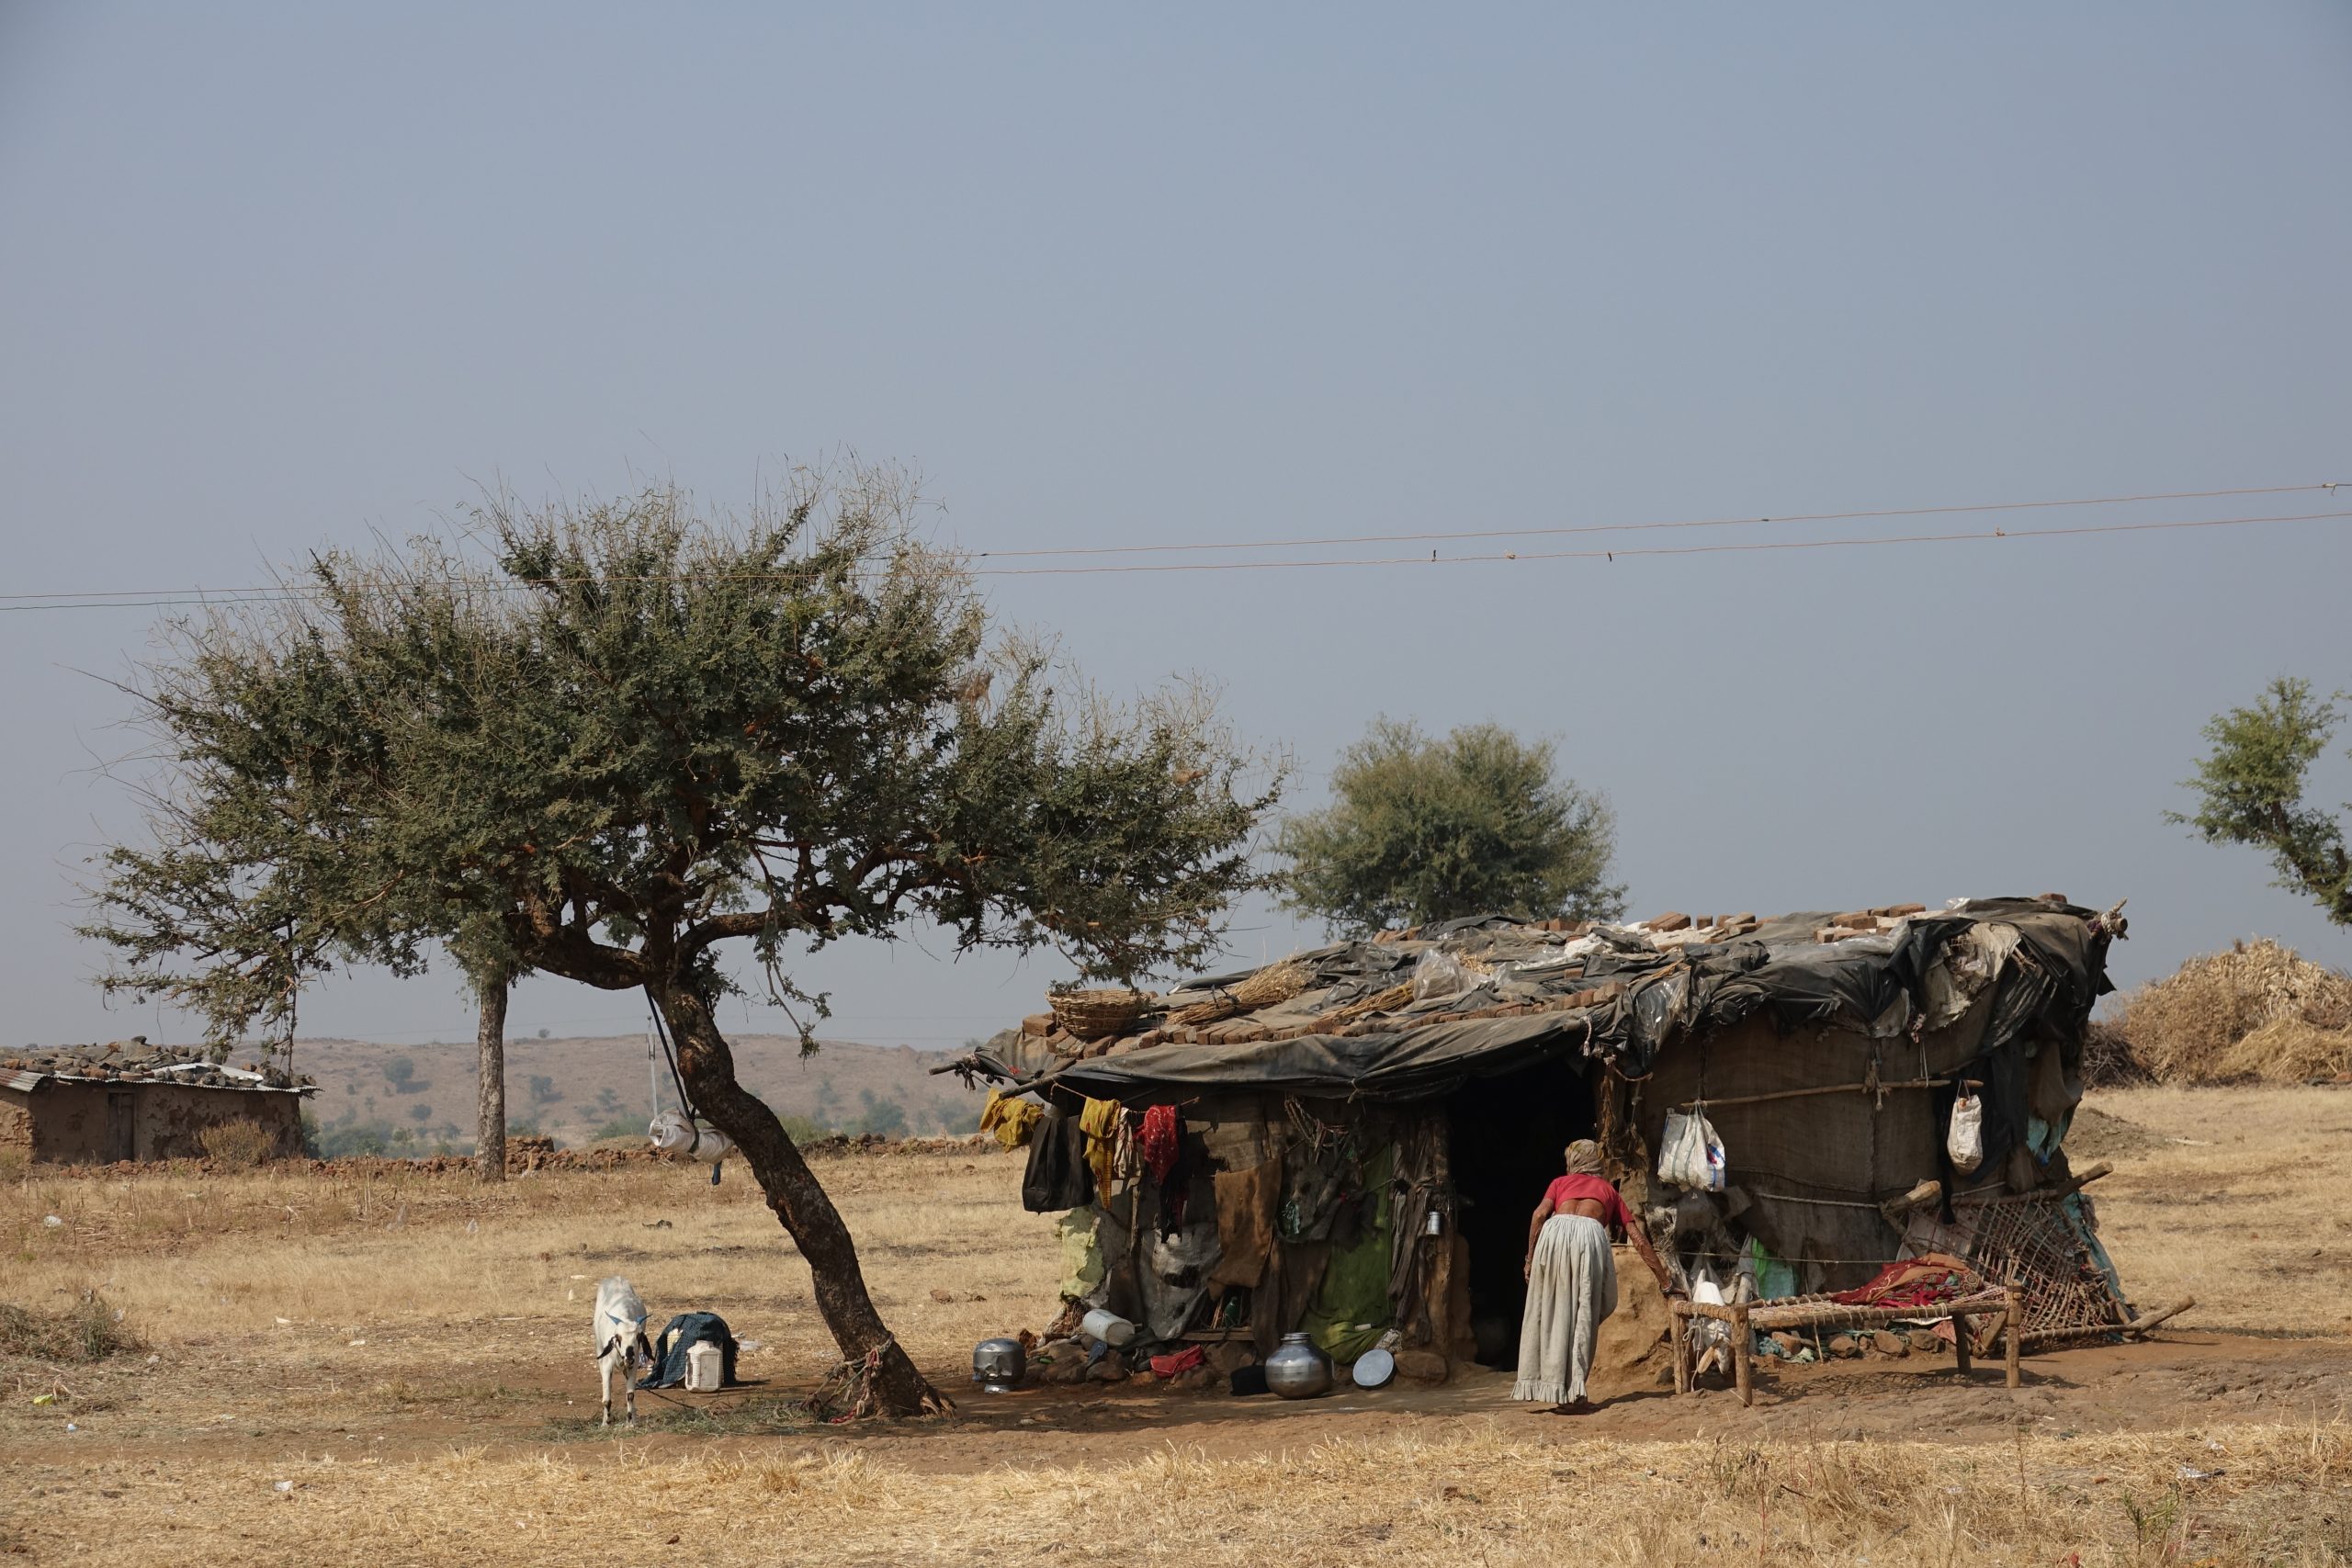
[
  {"x": 997, "y": 1365},
  {"x": 1299, "y": 1368}
]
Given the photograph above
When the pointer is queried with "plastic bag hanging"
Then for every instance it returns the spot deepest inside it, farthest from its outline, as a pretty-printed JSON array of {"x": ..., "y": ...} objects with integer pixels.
[
  {"x": 1964, "y": 1141},
  {"x": 1690, "y": 1152}
]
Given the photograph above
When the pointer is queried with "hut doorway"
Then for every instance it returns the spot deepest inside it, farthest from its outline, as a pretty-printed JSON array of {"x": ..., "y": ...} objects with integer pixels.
[{"x": 1506, "y": 1134}]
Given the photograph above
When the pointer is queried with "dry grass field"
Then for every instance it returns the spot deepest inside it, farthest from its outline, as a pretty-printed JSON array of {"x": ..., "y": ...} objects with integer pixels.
[{"x": 393, "y": 1368}]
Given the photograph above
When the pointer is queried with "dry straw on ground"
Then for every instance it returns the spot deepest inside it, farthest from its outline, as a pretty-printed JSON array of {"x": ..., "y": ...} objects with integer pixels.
[
  {"x": 1460, "y": 1492},
  {"x": 2257, "y": 1013}
]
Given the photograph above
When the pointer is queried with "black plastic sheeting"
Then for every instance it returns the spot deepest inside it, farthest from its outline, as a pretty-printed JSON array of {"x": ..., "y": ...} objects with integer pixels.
[{"x": 2050, "y": 982}]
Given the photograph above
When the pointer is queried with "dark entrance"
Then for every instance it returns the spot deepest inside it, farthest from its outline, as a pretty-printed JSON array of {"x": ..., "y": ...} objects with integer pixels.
[{"x": 1507, "y": 1134}]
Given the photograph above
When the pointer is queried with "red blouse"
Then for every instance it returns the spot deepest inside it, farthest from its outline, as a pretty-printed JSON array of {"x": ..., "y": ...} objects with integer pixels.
[{"x": 1566, "y": 1190}]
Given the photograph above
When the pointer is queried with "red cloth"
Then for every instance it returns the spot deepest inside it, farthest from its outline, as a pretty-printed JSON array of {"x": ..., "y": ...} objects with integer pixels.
[
  {"x": 1176, "y": 1361},
  {"x": 1158, "y": 1141},
  {"x": 1566, "y": 1190},
  {"x": 1923, "y": 1281}
]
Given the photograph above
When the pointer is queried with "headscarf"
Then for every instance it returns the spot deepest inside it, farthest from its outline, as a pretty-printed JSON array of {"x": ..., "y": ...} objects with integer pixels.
[{"x": 1584, "y": 1157}]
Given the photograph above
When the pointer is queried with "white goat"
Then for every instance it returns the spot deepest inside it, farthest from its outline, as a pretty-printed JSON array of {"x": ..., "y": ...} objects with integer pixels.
[{"x": 621, "y": 1345}]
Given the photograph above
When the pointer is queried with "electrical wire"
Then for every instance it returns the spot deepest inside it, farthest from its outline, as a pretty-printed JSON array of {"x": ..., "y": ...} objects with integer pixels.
[
  {"x": 1640, "y": 527},
  {"x": 202, "y": 598},
  {"x": 1433, "y": 558}
]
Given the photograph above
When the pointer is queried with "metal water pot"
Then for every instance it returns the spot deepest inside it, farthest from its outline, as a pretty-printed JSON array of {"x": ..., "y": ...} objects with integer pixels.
[
  {"x": 1299, "y": 1368},
  {"x": 997, "y": 1365}
]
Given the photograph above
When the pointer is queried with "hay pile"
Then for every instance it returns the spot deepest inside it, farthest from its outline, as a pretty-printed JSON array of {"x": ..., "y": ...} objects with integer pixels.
[{"x": 2259, "y": 1012}]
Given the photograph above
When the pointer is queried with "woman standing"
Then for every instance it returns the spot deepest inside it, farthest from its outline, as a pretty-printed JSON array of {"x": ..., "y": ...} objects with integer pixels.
[{"x": 1572, "y": 1280}]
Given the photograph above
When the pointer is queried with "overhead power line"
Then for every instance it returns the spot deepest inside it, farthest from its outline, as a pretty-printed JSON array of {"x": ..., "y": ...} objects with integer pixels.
[
  {"x": 176, "y": 598},
  {"x": 1603, "y": 553},
  {"x": 1441, "y": 535}
]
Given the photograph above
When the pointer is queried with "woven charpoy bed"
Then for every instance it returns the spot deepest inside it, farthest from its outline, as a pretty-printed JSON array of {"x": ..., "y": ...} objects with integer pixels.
[{"x": 1746, "y": 1319}]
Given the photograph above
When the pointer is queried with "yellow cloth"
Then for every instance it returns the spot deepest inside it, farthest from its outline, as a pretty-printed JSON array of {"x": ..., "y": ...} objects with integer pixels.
[
  {"x": 1009, "y": 1117},
  {"x": 1100, "y": 1122}
]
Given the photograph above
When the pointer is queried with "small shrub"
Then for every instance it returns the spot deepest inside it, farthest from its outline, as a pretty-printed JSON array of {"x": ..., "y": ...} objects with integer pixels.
[
  {"x": 238, "y": 1145},
  {"x": 89, "y": 1330}
]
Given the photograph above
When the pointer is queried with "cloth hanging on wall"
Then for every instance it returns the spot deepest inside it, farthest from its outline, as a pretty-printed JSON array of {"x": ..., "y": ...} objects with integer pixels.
[
  {"x": 1100, "y": 1122},
  {"x": 1161, "y": 1132},
  {"x": 1058, "y": 1177},
  {"x": 1245, "y": 1200},
  {"x": 1011, "y": 1117}
]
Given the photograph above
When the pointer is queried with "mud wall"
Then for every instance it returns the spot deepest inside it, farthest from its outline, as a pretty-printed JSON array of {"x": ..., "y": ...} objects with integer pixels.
[
  {"x": 72, "y": 1124},
  {"x": 170, "y": 1119},
  {"x": 15, "y": 1122}
]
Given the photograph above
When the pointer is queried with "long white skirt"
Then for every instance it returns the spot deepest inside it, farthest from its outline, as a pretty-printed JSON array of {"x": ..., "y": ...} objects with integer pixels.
[{"x": 1571, "y": 1287}]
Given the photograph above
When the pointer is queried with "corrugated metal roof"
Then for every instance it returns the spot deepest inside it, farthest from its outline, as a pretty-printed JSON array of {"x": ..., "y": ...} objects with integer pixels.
[{"x": 253, "y": 1082}]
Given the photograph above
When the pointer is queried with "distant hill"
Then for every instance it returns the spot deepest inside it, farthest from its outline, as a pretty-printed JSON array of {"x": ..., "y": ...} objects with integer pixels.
[{"x": 576, "y": 1090}]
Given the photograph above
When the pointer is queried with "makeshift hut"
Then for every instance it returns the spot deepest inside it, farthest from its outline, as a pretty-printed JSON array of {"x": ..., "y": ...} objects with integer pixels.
[
  {"x": 1351, "y": 1141},
  {"x": 131, "y": 1100}
]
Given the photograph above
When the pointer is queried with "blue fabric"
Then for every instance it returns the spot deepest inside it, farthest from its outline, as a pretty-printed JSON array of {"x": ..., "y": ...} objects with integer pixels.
[{"x": 681, "y": 1334}]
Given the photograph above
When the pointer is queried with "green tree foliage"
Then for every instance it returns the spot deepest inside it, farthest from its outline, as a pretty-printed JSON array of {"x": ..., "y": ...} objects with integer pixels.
[
  {"x": 544, "y": 1090},
  {"x": 1421, "y": 829},
  {"x": 2251, "y": 788},
  {"x": 885, "y": 1117},
  {"x": 634, "y": 737}
]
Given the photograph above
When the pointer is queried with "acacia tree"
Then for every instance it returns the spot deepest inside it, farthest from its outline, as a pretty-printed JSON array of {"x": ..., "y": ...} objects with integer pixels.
[
  {"x": 1421, "y": 829},
  {"x": 640, "y": 737},
  {"x": 2252, "y": 785}
]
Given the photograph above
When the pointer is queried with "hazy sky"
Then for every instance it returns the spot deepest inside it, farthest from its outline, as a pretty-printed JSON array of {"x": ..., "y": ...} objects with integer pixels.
[{"x": 278, "y": 276}]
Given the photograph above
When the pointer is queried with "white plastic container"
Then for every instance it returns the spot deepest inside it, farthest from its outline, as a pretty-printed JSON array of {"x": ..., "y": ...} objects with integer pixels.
[
  {"x": 1108, "y": 1328},
  {"x": 705, "y": 1368}
]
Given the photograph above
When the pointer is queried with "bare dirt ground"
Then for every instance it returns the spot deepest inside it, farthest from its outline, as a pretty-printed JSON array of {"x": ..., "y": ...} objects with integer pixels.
[{"x": 397, "y": 1368}]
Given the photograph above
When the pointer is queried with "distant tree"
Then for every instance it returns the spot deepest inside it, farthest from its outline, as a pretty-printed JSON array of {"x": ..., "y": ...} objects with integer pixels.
[
  {"x": 608, "y": 1103},
  {"x": 636, "y": 737},
  {"x": 885, "y": 1117},
  {"x": 2251, "y": 788},
  {"x": 401, "y": 1073},
  {"x": 420, "y": 1112},
  {"x": 543, "y": 1090},
  {"x": 1421, "y": 829}
]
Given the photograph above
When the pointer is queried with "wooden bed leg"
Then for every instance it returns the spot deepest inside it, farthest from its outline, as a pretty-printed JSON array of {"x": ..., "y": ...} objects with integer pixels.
[
  {"x": 1679, "y": 1335},
  {"x": 1743, "y": 1349},
  {"x": 1960, "y": 1343},
  {"x": 2013, "y": 1331}
]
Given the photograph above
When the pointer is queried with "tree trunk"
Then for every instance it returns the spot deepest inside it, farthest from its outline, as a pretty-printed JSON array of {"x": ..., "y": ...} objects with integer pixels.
[
  {"x": 799, "y": 1201},
  {"x": 489, "y": 1044}
]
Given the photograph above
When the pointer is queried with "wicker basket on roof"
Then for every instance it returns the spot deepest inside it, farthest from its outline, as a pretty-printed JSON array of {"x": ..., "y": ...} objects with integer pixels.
[
  {"x": 1098, "y": 1015},
  {"x": 1263, "y": 989}
]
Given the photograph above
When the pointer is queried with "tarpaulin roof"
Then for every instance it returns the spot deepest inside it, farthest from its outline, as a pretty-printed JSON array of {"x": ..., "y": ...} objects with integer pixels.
[{"x": 1495, "y": 995}]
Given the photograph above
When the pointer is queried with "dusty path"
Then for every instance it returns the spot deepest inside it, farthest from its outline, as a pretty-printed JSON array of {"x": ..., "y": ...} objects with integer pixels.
[{"x": 2188, "y": 1378}]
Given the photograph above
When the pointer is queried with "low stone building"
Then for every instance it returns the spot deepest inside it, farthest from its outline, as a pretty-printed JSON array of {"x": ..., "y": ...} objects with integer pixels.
[{"x": 98, "y": 1104}]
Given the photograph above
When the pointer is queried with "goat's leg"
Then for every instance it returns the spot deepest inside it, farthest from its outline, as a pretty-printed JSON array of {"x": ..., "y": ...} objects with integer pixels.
[
  {"x": 629, "y": 1381},
  {"x": 605, "y": 1380}
]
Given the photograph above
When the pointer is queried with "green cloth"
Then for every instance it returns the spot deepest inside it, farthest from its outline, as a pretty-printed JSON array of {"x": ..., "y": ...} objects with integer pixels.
[
  {"x": 1774, "y": 1279},
  {"x": 1083, "y": 1265},
  {"x": 1353, "y": 1310}
]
